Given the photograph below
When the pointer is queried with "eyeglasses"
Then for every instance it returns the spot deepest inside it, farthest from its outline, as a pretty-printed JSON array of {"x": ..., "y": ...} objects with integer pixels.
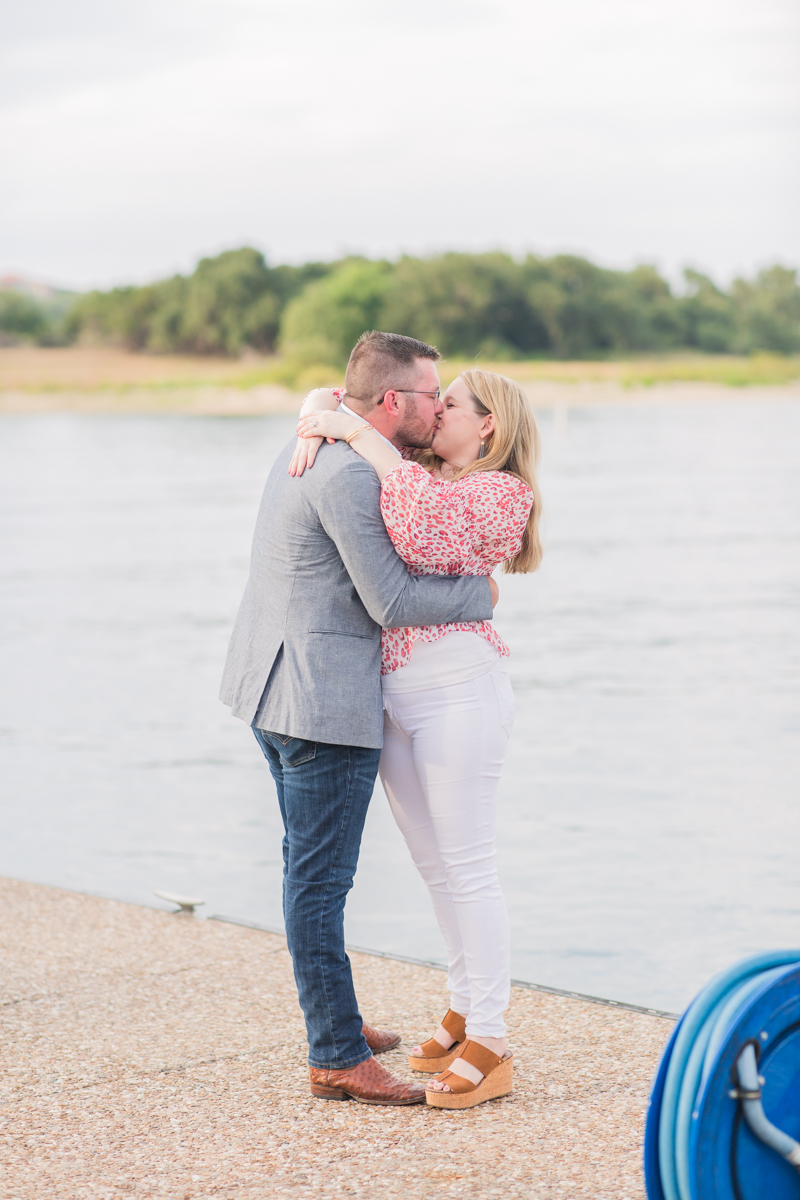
[
  {"x": 417, "y": 392},
  {"x": 410, "y": 391}
]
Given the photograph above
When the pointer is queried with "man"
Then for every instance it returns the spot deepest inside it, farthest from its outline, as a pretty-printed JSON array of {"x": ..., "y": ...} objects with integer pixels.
[{"x": 303, "y": 668}]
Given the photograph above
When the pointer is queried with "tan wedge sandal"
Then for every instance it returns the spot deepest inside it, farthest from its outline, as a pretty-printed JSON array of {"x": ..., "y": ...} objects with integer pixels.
[
  {"x": 434, "y": 1057},
  {"x": 498, "y": 1079}
]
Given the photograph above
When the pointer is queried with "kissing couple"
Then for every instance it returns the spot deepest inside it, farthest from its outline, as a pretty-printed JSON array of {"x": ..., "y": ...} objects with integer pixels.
[{"x": 364, "y": 644}]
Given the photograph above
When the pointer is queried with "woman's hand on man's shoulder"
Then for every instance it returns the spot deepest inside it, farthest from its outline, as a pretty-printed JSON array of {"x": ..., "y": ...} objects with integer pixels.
[{"x": 319, "y": 398}]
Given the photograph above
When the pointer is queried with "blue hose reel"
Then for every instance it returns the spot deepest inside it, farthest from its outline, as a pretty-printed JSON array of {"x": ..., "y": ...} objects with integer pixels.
[{"x": 724, "y": 1115}]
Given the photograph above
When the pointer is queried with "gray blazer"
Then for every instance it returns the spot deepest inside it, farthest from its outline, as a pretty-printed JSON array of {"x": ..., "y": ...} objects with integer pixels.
[{"x": 304, "y": 657}]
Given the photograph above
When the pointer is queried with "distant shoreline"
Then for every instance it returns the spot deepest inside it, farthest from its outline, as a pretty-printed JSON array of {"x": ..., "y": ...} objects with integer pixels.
[
  {"x": 272, "y": 400},
  {"x": 101, "y": 379}
]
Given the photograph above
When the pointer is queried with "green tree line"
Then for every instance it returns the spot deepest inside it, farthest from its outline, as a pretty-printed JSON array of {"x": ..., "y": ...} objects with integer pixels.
[
  {"x": 466, "y": 304},
  {"x": 24, "y": 318}
]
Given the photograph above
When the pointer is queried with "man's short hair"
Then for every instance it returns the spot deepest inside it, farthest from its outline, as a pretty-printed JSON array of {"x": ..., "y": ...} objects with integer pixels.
[{"x": 382, "y": 361}]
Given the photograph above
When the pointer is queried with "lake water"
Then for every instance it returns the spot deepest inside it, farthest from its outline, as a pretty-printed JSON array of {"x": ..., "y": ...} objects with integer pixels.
[{"x": 649, "y": 821}]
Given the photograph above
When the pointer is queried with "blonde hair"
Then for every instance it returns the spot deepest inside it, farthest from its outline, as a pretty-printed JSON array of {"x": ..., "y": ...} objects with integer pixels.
[{"x": 513, "y": 446}]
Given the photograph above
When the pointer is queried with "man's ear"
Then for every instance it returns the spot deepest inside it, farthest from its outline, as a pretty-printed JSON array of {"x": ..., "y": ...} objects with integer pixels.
[{"x": 391, "y": 403}]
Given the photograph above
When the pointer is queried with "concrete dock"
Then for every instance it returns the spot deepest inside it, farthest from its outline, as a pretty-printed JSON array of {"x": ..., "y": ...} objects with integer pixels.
[{"x": 145, "y": 1054}]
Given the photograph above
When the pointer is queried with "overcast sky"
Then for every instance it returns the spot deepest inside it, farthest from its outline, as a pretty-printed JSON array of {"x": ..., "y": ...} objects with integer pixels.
[{"x": 138, "y": 135}]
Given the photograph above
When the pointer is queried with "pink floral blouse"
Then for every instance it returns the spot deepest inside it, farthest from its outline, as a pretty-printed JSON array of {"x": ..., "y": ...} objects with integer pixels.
[{"x": 465, "y": 526}]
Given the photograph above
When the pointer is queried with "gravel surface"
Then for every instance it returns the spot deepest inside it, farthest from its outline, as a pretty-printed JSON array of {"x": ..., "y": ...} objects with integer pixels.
[{"x": 147, "y": 1054}]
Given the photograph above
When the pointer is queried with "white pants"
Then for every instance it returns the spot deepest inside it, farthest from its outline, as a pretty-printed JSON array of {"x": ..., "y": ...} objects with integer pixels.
[{"x": 442, "y": 754}]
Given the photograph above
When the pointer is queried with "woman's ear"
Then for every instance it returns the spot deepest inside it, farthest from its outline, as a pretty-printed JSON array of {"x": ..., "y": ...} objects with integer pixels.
[{"x": 487, "y": 425}]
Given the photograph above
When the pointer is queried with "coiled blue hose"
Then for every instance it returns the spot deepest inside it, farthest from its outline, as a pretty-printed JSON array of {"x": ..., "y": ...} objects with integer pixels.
[{"x": 694, "y": 1052}]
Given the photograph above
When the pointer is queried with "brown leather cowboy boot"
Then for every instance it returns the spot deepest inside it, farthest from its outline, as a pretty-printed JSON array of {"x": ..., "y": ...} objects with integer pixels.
[
  {"x": 368, "y": 1083},
  {"x": 380, "y": 1040}
]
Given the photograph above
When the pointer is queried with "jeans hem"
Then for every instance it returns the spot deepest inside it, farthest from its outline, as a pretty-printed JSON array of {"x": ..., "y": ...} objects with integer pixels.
[{"x": 340, "y": 1066}]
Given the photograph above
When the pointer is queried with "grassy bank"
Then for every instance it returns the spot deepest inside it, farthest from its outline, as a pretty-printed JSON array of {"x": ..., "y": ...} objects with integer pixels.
[
  {"x": 29, "y": 369},
  {"x": 758, "y": 370},
  {"x": 729, "y": 371}
]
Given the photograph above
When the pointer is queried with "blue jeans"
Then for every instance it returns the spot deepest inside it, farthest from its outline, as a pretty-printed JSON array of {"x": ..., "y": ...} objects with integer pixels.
[{"x": 324, "y": 793}]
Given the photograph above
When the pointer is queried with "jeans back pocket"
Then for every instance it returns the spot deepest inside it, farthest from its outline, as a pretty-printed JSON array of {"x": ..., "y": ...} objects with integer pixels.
[{"x": 293, "y": 751}]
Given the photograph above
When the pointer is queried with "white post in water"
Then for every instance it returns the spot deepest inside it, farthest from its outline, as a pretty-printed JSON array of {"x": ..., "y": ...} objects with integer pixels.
[{"x": 187, "y": 906}]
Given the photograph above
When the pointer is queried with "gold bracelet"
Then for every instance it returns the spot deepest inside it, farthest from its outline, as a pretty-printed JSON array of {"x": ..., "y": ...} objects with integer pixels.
[{"x": 356, "y": 432}]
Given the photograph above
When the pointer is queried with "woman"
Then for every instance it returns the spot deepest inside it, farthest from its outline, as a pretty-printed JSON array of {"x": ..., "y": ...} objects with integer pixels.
[{"x": 462, "y": 508}]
